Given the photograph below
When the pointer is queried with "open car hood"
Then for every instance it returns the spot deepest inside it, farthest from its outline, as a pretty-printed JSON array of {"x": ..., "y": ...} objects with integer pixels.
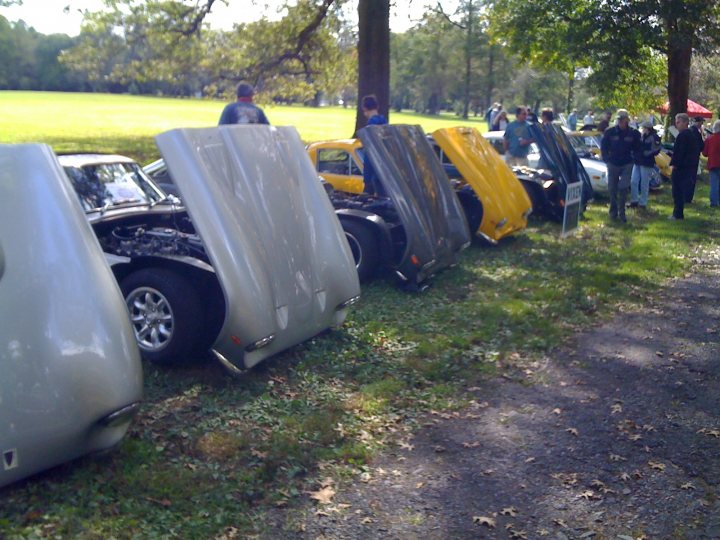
[
  {"x": 279, "y": 252},
  {"x": 505, "y": 202},
  {"x": 68, "y": 355},
  {"x": 558, "y": 155},
  {"x": 414, "y": 179}
]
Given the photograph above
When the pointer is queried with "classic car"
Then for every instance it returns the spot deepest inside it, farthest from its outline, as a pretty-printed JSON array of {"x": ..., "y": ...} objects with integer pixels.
[
  {"x": 254, "y": 260},
  {"x": 71, "y": 374},
  {"x": 416, "y": 225}
]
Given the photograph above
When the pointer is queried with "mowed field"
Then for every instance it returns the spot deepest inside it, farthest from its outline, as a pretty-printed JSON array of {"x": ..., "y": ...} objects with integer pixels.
[{"x": 127, "y": 124}]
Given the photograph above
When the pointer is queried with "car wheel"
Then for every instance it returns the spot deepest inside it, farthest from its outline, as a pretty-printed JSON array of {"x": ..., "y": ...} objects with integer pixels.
[
  {"x": 364, "y": 247},
  {"x": 473, "y": 208},
  {"x": 165, "y": 313}
]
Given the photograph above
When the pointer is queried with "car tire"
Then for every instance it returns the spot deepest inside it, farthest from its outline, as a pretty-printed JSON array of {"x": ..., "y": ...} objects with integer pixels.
[
  {"x": 165, "y": 313},
  {"x": 364, "y": 247},
  {"x": 473, "y": 209}
]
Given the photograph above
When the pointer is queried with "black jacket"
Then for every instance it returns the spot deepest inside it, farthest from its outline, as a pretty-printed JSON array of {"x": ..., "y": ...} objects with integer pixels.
[
  {"x": 685, "y": 151},
  {"x": 649, "y": 148},
  {"x": 618, "y": 146}
]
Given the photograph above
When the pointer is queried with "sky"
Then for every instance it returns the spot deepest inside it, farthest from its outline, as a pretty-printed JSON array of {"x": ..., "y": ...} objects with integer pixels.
[{"x": 51, "y": 16}]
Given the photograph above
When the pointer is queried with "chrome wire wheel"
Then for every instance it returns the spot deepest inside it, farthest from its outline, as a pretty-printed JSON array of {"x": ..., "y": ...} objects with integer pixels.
[{"x": 152, "y": 318}]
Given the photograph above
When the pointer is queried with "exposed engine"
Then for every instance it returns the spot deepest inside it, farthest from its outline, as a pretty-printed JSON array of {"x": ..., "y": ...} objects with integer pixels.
[{"x": 137, "y": 241}]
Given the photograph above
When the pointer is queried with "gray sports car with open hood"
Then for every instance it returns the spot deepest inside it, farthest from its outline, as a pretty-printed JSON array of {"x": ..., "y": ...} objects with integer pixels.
[
  {"x": 270, "y": 233},
  {"x": 71, "y": 376},
  {"x": 413, "y": 178},
  {"x": 253, "y": 263}
]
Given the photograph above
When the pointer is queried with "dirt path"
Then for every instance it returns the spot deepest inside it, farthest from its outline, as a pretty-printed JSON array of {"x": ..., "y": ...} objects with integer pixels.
[{"x": 615, "y": 436}]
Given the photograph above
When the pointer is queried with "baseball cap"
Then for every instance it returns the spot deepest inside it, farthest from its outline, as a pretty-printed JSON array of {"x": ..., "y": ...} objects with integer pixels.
[
  {"x": 622, "y": 113},
  {"x": 245, "y": 89}
]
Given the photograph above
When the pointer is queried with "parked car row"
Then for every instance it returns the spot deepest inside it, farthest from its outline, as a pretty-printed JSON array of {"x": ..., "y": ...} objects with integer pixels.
[{"x": 242, "y": 252}]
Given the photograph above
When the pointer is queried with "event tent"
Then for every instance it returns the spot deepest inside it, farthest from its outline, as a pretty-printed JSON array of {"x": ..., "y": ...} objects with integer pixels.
[{"x": 693, "y": 109}]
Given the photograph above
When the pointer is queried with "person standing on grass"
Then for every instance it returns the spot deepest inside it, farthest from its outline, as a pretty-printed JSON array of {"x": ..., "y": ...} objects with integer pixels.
[
  {"x": 243, "y": 111},
  {"x": 683, "y": 162},
  {"x": 644, "y": 166},
  {"x": 370, "y": 110},
  {"x": 589, "y": 120},
  {"x": 619, "y": 144},
  {"x": 572, "y": 120},
  {"x": 517, "y": 140},
  {"x": 711, "y": 150}
]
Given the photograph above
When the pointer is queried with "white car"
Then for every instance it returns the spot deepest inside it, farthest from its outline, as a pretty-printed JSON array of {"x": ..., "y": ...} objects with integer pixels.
[{"x": 597, "y": 170}]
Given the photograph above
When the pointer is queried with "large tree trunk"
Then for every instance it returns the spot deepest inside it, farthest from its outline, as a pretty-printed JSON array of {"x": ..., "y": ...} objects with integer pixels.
[
  {"x": 679, "y": 59},
  {"x": 373, "y": 55}
]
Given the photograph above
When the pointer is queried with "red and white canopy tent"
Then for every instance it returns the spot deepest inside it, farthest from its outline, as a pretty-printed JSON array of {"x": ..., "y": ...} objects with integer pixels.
[{"x": 693, "y": 109}]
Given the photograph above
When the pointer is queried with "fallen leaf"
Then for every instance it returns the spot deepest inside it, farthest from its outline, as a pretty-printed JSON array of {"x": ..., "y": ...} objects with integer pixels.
[
  {"x": 474, "y": 444},
  {"x": 648, "y": 427},
  {"x": 635, "y": 437},
  {"x": 406, "y": 446},
  {"x": 366, "y": 520},
  {"x": 530, "y": 460},
  {"x": 483, "y": 520},
  {"x": 557, "y": 411},
  {"x": 616, "y": 408},
  {"x": 161, "y": 502},
  {"x": 588, "y": 495},
  {"x": 324, "y": 495},
  {"x": 509, "y": 511},
  {"x": 656, "y": 465},
  {"x": 597, "y": 483},
  {"x": 615, "y": 457},
  {"x": 560, "y": 522},
  {"x": 419, "y": 485},
  {"x": 660, "y": 353},
  {"x": 624, "y": 477},
  {"x": 687, "y": 485},
  {"x": 572, "y": 431},
  {"x": 439, "y": 449}
]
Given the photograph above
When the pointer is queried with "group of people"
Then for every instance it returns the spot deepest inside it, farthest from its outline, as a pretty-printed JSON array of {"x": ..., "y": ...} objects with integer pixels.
[{"x": 630, "y": 157}]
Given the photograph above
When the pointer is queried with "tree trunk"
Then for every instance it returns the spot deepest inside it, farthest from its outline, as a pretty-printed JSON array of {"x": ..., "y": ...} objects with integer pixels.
[
  {"x": 468, "y": 59},
  {"x": 571, "y": 90},
  {"x": 490, "y": 76},
  {"x": 373, "y": 55},
  {"x": 679, "y": 59}
]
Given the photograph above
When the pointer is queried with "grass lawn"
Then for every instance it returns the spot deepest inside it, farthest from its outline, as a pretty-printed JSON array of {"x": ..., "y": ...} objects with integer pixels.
[
  {"x": 127, "y": 124},
  {"x": 212, "y": 455}
]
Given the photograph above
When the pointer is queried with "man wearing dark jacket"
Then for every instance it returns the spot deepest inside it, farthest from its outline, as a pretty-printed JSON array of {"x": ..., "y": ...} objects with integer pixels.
[
  {"x": 619, "y": 144},
  {"x": 684, "y": 163}
]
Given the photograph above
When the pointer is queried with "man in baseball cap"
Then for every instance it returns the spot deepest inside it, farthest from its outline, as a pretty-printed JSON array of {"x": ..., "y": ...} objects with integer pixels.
[
  {"x": 619, "y": 144},
  {"x": 243, "y": 111}
]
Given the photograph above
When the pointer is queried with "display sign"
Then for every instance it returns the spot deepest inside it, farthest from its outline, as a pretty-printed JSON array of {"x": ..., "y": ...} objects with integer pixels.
[{"x": 573, "y": 206}]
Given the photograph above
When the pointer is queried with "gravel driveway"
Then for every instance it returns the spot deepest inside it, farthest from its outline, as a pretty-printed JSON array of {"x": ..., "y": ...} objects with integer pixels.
[{"x": 616, "y": 435}]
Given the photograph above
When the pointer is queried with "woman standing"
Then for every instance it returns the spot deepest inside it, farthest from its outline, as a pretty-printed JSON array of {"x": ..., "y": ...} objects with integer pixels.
[{"x": 711, "y": 150}]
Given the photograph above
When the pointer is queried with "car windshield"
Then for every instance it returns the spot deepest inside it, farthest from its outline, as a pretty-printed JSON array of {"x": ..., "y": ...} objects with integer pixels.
[{"x": 104, "y": 185}]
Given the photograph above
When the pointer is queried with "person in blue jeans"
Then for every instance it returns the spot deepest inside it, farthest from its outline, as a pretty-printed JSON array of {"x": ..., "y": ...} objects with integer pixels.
[
  {"x": 711, "y": 150},
  {"x": 644, "y": 166},
  {"x": 618, "y": 146},
  {"x": 370, "y": 110}
]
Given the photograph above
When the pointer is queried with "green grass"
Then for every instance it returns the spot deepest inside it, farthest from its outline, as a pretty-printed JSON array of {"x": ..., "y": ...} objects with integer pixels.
[
  {"x": 211, "y": 454},
  {"x": 126, "y": 124}
]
